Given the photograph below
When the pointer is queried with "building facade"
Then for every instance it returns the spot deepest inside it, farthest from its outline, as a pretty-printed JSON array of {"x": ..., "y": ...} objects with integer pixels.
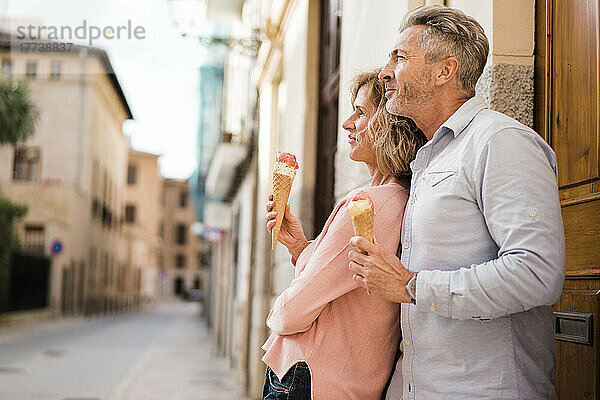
[
  {"x": 70, "y": 174},
  {"x": 180, "y": 267},
  {"x": 143, "y": 215}
]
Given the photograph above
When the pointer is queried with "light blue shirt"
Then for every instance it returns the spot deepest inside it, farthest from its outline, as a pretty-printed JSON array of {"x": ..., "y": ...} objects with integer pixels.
[{"x": 483, "y": 229}]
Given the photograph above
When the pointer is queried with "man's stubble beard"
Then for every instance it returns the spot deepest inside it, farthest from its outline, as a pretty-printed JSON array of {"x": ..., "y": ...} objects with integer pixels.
[{"x": 411, "y": 96}]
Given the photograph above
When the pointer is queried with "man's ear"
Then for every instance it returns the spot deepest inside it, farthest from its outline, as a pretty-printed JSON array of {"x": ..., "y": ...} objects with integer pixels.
[{"x": 445, "y": 71}]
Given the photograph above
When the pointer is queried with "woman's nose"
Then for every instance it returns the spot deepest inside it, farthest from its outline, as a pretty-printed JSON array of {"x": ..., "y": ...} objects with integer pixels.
[{"x": 348, "y": 124}]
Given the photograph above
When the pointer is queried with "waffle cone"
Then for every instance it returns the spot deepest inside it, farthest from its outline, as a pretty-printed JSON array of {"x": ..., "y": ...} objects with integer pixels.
[
  {"x": 363, "y": 225},
  {"x": 282, "y": 185}
]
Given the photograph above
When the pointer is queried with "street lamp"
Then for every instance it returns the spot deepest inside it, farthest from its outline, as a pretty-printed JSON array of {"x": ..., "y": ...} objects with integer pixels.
[{"x": 189, "y": 17}]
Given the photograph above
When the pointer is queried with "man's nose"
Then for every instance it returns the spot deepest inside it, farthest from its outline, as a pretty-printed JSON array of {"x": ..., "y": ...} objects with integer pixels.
[{"x": 386, "y": 74}]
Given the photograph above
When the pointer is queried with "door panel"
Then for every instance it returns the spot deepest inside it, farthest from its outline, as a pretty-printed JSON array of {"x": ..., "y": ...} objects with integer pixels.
[
  {"x": 582, "y": 235},
  {"x": 566, "y": 115},
  {"x": 574, "y": 90}
]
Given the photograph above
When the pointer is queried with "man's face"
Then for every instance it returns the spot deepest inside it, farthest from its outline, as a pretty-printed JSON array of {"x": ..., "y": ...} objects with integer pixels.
[{"x": 406, "y": 76}]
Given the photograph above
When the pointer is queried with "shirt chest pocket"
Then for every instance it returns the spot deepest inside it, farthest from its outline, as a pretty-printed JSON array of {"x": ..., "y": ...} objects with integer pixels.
[{"x": 439, "y": 179}]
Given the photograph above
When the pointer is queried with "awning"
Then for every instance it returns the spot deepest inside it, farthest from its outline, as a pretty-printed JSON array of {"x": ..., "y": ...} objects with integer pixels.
[{"x": 223, "y": 169}]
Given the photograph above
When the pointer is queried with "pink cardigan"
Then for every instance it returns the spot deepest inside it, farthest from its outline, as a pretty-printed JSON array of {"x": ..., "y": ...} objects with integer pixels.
[{"x": 348, "y": 338}]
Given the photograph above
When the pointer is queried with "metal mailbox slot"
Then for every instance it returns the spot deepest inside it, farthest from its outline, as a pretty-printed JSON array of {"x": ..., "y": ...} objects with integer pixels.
[{"x": 573, "y": 327}]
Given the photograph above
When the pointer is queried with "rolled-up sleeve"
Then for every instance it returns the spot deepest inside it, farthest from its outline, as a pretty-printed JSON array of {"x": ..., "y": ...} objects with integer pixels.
[
  {"x": 322, "y": 276},
  {"x": 515, "y": 187}
]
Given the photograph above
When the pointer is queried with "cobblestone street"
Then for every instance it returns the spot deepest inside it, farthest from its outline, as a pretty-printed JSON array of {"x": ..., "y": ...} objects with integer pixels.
[{"x": 162, "y": 352}]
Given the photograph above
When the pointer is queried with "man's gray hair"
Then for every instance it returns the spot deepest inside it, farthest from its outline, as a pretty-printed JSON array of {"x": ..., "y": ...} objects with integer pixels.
[{"x": 451, "y": 33}]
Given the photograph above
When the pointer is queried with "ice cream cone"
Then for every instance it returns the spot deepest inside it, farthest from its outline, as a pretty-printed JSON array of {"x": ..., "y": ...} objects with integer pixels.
[
  {"x": 282, "y": 185},
  {"x": 284, "y": 173},
  {"x": 363, "y": 225},
  {"x": 361, "y": 211}
]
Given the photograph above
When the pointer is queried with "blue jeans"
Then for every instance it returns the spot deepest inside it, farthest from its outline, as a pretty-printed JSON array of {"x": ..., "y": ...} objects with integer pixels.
[{"x": 295, "y": 385}]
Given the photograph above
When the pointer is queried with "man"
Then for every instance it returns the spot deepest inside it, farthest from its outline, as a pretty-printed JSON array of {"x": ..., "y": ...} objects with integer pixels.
[{"x": 482, "y": 251}]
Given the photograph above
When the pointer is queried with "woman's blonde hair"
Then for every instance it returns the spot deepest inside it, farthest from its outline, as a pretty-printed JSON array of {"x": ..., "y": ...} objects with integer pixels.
[{"x": 396, "y": 139}]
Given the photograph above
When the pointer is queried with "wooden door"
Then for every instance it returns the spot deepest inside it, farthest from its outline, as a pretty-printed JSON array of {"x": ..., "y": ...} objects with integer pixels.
[
  {"x": 567, "y": 115},
  {"x": 329, "y": 78}
]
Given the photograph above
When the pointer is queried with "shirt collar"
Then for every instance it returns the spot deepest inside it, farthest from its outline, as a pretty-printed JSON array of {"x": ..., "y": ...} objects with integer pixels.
[{"x": 464, "y": 115}]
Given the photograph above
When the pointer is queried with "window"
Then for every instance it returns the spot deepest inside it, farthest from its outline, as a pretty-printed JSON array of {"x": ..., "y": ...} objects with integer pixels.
[
  {"x": 26, "y": 164},
  {"x": 131, "y": 174},
  {"x": 200, "y": 260},
  {"x": 55, "y": 70},
  {"x": 31, "y": 70},
  {"x": 183, "y": 197},
  {"x": 181, "y": 234},
  {"x": 203, "y": 259},
  {"x": 34, "y": 238},
  {"x": 6, "y": 68},
  {"x": 130, "y": 214},
  {"x": 96, "y": 208},
  {"x": 180, "y": 261}
]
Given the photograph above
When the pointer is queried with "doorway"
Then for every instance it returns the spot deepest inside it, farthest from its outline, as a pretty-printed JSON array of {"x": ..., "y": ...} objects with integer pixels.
[
  {"x": 178, "y": 286},
  {"x": 329, "y": 82}
]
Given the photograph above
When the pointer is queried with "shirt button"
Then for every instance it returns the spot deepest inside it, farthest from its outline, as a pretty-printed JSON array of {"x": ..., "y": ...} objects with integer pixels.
[
  {"x": 432, "y": 307},
  {"x": 406, "y": 245},
  {"x": 407, "y": 341},
  {"x": 412, "y": 200},
  {"x": 532, "y": 213}
]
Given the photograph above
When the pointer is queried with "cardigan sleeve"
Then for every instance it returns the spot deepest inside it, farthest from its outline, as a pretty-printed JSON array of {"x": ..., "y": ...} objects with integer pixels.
[
  {"x": 323, "y": 277},
  {"x": 322, "y": 273},
  {"x": 303, "y": 258}
]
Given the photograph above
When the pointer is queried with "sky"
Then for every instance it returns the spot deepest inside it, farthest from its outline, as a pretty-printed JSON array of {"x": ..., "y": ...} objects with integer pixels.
[{"x": 158, "y": 74}]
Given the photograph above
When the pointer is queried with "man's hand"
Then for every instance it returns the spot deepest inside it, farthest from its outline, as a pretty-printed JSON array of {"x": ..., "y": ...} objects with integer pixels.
[{"x": 379, "y": 272}]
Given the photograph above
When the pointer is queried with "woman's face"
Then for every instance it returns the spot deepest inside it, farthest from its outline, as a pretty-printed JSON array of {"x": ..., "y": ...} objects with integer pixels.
[{"x": 361, "y": 144}]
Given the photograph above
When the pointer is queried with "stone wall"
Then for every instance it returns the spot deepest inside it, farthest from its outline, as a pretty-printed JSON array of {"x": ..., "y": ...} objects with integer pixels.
[{"x": 508, "y": 88}]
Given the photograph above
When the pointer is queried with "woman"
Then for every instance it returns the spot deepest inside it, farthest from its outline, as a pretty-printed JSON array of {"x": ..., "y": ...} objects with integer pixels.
[{"x": 331, "y": 339}]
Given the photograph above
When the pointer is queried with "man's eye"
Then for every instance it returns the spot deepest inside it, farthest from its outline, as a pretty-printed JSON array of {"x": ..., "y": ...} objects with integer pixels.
[
  {"x": 360, "y": 111},
  {"x": 395, "y": 56}
]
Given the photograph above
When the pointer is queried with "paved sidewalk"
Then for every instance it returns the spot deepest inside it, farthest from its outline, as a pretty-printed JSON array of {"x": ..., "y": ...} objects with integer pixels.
[
  {"x": 180, "y": 365},
  {"x": 163, "y": 352},
  {"x": 11, "y": 330}
]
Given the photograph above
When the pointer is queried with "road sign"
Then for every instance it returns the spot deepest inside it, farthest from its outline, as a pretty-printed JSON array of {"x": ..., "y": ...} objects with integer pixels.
[{"x": 57, "y": 247}]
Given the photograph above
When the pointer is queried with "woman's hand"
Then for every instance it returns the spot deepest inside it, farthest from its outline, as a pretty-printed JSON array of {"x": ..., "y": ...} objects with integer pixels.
[{"x": 291, "y": 234}]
